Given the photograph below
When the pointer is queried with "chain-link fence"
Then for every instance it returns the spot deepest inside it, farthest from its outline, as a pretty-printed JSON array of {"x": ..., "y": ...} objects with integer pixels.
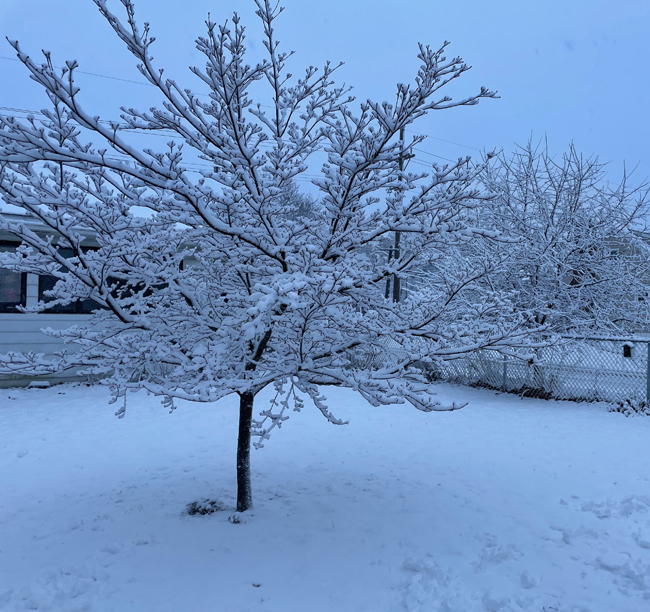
[{"x": 604, "y": 369}]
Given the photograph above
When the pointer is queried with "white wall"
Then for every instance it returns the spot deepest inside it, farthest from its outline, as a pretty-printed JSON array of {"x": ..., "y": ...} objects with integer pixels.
[{"x": 21, "y": 333}]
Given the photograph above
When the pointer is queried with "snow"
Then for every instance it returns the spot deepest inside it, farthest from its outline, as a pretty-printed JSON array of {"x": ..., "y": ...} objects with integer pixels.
[{"x": 506, "y": 505}]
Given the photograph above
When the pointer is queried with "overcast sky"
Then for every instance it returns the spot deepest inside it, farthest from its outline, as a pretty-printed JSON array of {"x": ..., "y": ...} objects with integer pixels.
[{"x": 576, "y": 70}]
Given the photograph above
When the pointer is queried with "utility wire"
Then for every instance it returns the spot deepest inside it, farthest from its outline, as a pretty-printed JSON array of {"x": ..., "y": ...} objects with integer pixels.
[
  {"x": 105, "y": 76},
  {"x": 458, "y": 144},
  {"x": 102, "y": 76},
  {"x": 164, "y": 133},
  {"x": 433, "y": 154},
  {"x": 160, "y": 133}
]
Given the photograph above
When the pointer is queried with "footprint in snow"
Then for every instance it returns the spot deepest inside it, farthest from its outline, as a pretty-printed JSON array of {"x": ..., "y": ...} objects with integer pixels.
[
  {"x": 112, "y": 549},
  {"x": 642, "y": 540}
]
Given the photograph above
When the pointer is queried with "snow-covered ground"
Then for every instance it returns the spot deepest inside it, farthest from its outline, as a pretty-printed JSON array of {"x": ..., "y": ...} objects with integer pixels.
[{"x": 508, "y": 504}]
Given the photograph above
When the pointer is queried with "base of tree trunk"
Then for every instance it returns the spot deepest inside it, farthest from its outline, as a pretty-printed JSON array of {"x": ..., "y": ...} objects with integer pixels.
[{"x": 244, "y": 492}]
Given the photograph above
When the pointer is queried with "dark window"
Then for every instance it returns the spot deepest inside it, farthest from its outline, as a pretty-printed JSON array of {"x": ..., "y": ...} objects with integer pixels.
[
  {"x": 12, "y": 284},
  {"x": 46, "y": 283}
]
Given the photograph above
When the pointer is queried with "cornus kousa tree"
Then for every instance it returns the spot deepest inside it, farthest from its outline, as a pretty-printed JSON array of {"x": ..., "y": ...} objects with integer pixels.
[{"x": 221, "y": 286}]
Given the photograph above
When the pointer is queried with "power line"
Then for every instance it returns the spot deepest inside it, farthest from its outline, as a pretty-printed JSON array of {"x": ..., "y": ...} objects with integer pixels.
[
  {"x": 458, "y": 144},
  {"x": 106, "y": 76},
  {"x": 433, "y": 154},
  {"x": 20, "y": 110},
  {"x": 103, "y": 76},
  {"x": 161, "y": 133},
  {"x": 113, "y": 78},
  {"x": 164, "y": 133}
]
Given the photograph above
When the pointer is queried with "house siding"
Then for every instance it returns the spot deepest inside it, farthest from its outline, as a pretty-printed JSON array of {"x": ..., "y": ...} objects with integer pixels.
[{"x": 23, "y": 333}]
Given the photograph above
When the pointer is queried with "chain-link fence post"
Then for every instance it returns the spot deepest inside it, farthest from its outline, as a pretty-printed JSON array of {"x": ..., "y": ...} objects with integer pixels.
[
  {"x": 504, "y": 383},
  {"x": 647, "y": 377}
]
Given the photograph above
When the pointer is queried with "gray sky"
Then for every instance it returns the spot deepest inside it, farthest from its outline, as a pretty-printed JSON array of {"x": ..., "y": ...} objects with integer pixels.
[{"x": 576, "y": 70}]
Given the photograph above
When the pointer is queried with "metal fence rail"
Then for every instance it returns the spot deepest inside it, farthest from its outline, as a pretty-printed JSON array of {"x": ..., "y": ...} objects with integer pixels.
[{"x": 594, "y": 369}]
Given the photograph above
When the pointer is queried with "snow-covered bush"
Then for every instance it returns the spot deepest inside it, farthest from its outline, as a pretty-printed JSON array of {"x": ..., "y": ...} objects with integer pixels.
[
  {"x": 635, "y": 405},
  {"x": 205, "y": 506}
]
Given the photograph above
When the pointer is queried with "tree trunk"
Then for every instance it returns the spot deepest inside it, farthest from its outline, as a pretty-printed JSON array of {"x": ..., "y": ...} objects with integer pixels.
[{"x": 244, "y": 493}]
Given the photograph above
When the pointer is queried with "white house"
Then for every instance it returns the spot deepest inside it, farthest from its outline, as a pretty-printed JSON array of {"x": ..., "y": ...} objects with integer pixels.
[{"x": 21, "y": 332}]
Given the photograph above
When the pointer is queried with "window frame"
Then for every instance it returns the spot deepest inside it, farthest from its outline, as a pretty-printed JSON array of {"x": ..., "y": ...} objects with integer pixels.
[{"x": 10, "y": 307}]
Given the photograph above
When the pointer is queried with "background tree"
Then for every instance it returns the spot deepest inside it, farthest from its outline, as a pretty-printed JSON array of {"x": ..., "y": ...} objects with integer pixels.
[
  {"x": 580, "y": 262},
  {"x": 220, "y": 287},
  {"x": 301, "y": 204}
]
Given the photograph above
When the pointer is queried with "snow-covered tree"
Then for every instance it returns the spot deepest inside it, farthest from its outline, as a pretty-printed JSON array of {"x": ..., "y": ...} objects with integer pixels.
[
  {"x": 580, "y": 262},
  {"x": 220, "y": 286},
  {"x": 300, "y": 203}
]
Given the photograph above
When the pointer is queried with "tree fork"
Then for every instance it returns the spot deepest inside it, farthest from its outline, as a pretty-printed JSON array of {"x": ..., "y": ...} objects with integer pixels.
[{"x": 244, "y": 492}]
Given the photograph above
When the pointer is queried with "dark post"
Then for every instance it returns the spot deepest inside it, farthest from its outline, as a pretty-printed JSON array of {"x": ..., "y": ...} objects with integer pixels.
[
  {"x": 394, "y": 252},
  {"x": 396, "y": 281},
  {"x": 647, "y": 378}
]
